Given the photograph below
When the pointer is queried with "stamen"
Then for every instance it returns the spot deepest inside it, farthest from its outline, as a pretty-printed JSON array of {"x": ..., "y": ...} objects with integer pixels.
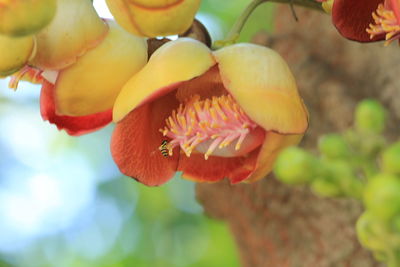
[
  {"x": 385, "y": 23},
  {"x": 27, "y": 73},
  {"x": 219, "y": 119}
]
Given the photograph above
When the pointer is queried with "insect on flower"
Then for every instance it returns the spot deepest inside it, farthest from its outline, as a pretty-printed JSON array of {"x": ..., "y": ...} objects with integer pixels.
[{"x": 164, "y": 149}]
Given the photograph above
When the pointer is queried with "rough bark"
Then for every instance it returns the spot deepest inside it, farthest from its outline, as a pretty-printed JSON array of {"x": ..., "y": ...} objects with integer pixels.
[{"x": 277, "y": 225}]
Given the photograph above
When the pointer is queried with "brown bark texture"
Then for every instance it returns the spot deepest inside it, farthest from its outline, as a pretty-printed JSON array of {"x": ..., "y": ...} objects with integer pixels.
[{"x": 277, "y": 225}]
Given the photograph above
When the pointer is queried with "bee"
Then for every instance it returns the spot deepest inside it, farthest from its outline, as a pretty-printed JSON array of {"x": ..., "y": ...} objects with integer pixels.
[{"x": 163, "y": 148}]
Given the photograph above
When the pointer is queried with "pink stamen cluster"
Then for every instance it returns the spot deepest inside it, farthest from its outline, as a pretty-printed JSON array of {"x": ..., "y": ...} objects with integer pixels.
[
  {"x": 385, "y": 23},
  {"x": 220, "y": 119}
]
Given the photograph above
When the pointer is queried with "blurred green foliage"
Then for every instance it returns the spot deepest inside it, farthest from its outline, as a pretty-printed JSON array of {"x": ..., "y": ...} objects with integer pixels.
[{"x": 357, "y": 163}]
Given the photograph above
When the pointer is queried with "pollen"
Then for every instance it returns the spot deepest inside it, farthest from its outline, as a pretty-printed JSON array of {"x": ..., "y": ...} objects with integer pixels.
[
  {"x": 219, "y": 119},
  {"x": 385, "y": 23}
]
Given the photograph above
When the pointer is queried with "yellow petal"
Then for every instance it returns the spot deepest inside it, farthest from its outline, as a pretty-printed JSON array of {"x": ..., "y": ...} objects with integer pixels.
[
  {"x": 262, "y": 84},
  {"x": 15, "y": 52},
  {"x": 273, "y": 145},
  {"x": 25, "y": 17},
  {"x": 154, "y": 3},
  {"x": 154, "y": 18},
  {"x": 174, "y": 62},
  {"x": 92, "y": 84},
  {"x": 75, "y": 29}
]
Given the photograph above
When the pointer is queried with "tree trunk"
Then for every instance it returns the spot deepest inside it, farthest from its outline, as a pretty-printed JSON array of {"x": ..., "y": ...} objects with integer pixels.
[{"x": 276, "y": 225}]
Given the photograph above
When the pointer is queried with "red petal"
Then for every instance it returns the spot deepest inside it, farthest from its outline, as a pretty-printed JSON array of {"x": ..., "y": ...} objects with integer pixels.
[
  {"x": 72, "y": 125},
  {"x": 214, "y": 169},
  {"x": 136, "y": 140},
  {"x": 395, "y": 5},
  {"x": 352, "y": 18}
]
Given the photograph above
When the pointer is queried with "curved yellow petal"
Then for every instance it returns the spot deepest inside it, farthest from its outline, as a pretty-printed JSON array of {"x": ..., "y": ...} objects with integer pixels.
[
  {"x": 262, "y": 84},
  {"x": 154, "y": 3},
  {"x": 174, "y": 62},
  {"x": 25, "y": 17},
  {"x": 273, "y": 145},
  {"x": 75, "y": 29},
  {"x": 15, "y": 53},
  {"x": 92, "y": 84},
  {"x": 154, "y": 18}
]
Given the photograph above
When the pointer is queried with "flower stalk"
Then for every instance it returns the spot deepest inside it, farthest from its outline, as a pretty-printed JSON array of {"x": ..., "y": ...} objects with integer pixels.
[{"x": 234, "y": 33}]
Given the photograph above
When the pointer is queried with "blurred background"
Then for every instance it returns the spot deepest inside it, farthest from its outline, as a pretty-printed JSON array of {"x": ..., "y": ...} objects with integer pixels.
[{"x": 63, "y": 202}]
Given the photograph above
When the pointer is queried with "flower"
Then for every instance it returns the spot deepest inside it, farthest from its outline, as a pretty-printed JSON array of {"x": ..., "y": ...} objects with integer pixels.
[
  {"x": 366, "y": 21},
  {"x": 25, "y": 17},
  {"x": 223, "y": 114},
  {"x": 154, "y": 18},
  {"x": 79, "y": 98},
  {"x": 93, "y": 82},
  {"x": 75, "y": 29},
  {"x": 73, "y": 125}
]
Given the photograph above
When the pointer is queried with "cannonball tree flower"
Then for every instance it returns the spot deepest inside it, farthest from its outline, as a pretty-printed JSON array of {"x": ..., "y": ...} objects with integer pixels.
[
  {"x": 75, "y": 29},
  {"x": 153, "y": 18},
  {"x": 25, "y": 17},
  {"x": 366, "y": 21},
  {"x": 213, "y": 115},
  {"x": 79, "y": 98}
]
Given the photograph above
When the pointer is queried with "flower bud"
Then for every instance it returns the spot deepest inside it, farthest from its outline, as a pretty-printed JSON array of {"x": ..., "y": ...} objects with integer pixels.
[
  {"x": 296, "y": 166},
  {"x": 370, "y": 117},
  {"x": 367, "y": 228},
  {"x": 325, "y": 188},
  {"x": 391, "y": 159},
  {"x": 382, "y": 196},
  {"x": 333, "y": 146}
]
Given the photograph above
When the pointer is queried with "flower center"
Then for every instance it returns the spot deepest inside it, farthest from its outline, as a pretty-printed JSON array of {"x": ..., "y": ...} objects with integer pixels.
[
  {"x": 385, "y": 23},
  {"x": 215, "y": 122}
]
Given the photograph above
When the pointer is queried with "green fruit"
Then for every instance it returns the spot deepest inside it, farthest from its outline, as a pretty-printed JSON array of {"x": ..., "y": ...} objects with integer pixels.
[
  {"x": 391, "y": 159},
  {"x": 382, "y": 196},
  {"x": 295, "y": 166},
  {"x": 370, "y": 116},
  {"x": 325, "y": 188},
  {"x": 333, "y": 146},
  {"x": 368, "y": 231}
]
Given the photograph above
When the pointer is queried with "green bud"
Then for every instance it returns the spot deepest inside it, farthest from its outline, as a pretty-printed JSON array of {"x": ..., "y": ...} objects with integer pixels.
[
  {"x": 333, "y": 146},
  {"x": 295, "y": 166},
  {"x": 370, "y": 116},
  {"x": 391, "y": 159},
  {"x": 372, "y": 145},
  {"x": 325, "y": 188},
  {"x": 382, "y": 196},
  {"x": 368, "y": 231},
  {"x": 339, "y": 180}
]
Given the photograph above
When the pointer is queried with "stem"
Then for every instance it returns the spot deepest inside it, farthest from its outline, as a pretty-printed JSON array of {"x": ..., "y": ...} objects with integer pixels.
[
  {"x": 238, "y": 26},
  {"x": 234, "y": 33},
  {"x": 312, "y": 4}
]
